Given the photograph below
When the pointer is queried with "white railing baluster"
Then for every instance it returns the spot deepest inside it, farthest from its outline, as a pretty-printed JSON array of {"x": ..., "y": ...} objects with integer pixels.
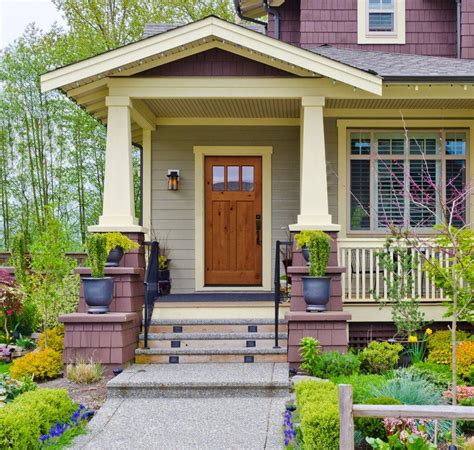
[
  {"x": 363, "y": 274},
  {"x": 371, "y": 274},
  {"x": 357, "y": 273},
  {"x": 349, "y": 273}
]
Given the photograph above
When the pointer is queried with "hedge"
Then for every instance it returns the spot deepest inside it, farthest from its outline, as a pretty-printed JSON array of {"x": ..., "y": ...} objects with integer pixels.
[
  {"x": 31, "y": 415},
  {"x": 319, "y": 414}
]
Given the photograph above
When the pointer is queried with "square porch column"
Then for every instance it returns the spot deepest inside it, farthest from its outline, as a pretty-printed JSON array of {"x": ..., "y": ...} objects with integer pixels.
[
  {"x": 314, "y": 207},
  {"x": 118, "y": 212}
]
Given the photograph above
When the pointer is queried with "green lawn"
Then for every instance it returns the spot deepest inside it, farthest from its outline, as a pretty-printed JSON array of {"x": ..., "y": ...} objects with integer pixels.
[{"x": 5, "y": 367}]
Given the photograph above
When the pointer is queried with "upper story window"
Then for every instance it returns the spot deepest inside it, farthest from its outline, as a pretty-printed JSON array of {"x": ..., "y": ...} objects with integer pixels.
[{"x": 381, "y": 21}]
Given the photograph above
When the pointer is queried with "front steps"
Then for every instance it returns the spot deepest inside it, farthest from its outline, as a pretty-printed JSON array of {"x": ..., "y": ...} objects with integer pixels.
[{"x": 185, "y": 341}]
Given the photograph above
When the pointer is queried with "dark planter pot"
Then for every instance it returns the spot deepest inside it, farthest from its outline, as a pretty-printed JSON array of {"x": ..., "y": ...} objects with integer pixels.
[
  {"x": 114, "y": 258},
  {"x": 305, "y": 251},
  {"x": 98, "y": 294},
  {"x": 316, "y": 293},
  {"x": 163, "y": 274}
]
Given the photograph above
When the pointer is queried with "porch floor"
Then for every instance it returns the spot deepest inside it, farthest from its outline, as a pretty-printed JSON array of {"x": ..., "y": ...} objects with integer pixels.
[{"x": 217, "y": 297}]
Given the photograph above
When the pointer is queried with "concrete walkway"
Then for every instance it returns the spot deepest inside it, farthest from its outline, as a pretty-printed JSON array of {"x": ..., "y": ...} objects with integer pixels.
[{"x": 194, "y": 406}]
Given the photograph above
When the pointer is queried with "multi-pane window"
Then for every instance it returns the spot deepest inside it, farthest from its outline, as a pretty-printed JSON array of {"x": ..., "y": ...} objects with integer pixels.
[
  {"x": 409, "y": 179},
  {"x": 381, "y": 16}
]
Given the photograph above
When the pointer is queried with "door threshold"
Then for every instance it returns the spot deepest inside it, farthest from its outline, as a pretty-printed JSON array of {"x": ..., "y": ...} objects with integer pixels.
[{"x": 217, "y": 297}]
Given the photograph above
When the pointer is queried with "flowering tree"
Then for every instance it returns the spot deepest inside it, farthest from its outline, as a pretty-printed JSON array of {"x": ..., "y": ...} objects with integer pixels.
[{"x": 10, "y": 301}]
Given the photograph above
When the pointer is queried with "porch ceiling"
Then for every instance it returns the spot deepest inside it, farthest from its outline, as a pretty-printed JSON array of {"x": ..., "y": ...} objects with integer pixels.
[
  {"x": 401, "y": 103},
  {"x": 225, "y": 108}
]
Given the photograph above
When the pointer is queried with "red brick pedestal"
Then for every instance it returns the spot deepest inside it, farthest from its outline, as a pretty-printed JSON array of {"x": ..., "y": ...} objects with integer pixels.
[
  {"x": 330, "y": 327},
  {"x": 112, "y": 338}
]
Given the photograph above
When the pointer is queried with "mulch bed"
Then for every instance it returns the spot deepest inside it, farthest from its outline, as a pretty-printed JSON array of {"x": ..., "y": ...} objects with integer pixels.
[{"x": 91, "y": 395}]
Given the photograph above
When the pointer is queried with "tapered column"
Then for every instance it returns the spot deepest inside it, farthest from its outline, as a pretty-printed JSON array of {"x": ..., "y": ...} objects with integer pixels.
[
  {"x": 314, "y": 208},
  {"x": 119, "y": 205},
  {"x": 146, "y": 184}
]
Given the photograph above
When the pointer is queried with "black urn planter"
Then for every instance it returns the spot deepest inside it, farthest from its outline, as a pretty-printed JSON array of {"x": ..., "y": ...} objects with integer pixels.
[
  {"x": 98, "y": 294},
  {"x": 316, "y": 293},
  {"x": 163, "y": 274},
  {"x": 305, "y": 251},
  {"x": 114, "y": 258}
]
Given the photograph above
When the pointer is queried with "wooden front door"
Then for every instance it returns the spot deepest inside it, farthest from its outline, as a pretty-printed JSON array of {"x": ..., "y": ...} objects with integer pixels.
[{"x": 233, "y": 224}]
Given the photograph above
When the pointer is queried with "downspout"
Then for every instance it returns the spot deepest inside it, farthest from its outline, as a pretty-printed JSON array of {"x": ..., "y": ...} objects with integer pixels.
[
  {"x": 249, "y": 19},
  {"x": 276, "y": 17},
  {"x": 458, "y": 29}
]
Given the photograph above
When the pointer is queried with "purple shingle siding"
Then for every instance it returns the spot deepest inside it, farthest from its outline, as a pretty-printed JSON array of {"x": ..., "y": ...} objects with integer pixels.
[{"x": 467, "y": 29}]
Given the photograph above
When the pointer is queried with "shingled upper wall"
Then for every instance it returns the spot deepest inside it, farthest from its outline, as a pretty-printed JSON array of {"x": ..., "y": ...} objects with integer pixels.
[{"x": 467, "y": 29}]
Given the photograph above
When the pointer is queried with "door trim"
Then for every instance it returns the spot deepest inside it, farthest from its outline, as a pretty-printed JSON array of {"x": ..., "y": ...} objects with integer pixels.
[{"x": 200, "y": 152}]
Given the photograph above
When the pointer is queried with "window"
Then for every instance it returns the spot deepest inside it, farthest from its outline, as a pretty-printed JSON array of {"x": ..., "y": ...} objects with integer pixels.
[
  {"x": 381, "y": 22},
  {"x": 405, "y": 179}
]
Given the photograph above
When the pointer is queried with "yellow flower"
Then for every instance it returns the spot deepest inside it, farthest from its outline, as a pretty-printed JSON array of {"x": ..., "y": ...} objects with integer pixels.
[
  {"x": 412, "y": 339},
  {"x": 429, "y": 331}
]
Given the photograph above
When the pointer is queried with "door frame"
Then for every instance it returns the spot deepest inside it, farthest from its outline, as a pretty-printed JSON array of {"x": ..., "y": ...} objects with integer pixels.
[{"x": 200, "y": 152}]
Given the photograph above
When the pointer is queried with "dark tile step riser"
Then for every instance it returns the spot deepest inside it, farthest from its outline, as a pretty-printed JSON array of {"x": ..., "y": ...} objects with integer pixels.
[
  {"x": 190, "y": 359},
  {"x": 216, "y": 329},
  {"x": 217, "y": 344}
]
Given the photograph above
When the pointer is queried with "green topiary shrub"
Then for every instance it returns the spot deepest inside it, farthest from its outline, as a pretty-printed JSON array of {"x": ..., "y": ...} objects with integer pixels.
[
  {"x": 319, "y": 414},
  {"x": 378, "y": 357},
  {"x": 374, "y": 427},
  {"x": 439, "y": 346},
  {"x": 319, "y": 246},
  {"x": 41, "y": 365},
  {"x": 30, "y": 415},
  {"x": 96, "y": 246},
  {"x": 362, "y": 385},
  {"x": 335, "y": 364}
]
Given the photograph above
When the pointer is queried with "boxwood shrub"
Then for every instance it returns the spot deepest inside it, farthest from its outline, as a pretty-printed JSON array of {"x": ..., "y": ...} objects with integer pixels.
[
  {"x": 319, "y": 414},
  {"x": 373, "y": 426},
  {"x": 31, "y": 415}
]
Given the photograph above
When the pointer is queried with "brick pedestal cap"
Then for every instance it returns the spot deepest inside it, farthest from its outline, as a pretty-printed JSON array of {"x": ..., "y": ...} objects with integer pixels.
[
  {"x": 110, "y": 339},
  {"x": 329, "y": 328}
]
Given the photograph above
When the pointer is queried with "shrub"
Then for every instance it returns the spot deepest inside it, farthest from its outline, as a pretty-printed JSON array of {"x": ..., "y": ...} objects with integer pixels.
[
  {"x": 116, "y": 239},
  {"x": 30, "y": 415},
  {"x": 362, "y": 385},
  {"x": 437, "y": 374},
  {"x": 467, "y": 426},
  {"x": 319, "y": 246},
  {"x": 334, "y": 364},
  {"x": 374, "y": 427},
  {"x": 379, "y": 357},
  {"x": 409, "y": 389},
  {"x": 319, "y": 414},
  {"x": 52, "y": 338},
  {"x": 96, "y": 246},
  {"x": 310, "y": 351},
  {"x": 42, "y": 364},
  {"x": 439, "y": 346},
  {"x": 465, "y": 359},
  {"x": 11, "y": 388},
  {"x": 84, "y": 372}
]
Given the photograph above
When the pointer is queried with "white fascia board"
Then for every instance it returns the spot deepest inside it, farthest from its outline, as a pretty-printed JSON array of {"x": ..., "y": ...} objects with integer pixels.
[{"x": 217, "y": 29}]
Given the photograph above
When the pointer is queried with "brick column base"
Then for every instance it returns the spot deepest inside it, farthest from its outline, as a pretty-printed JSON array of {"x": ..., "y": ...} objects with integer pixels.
[
  {"x": 110, "y": 339},
  {"x": 329, "y": 328}
]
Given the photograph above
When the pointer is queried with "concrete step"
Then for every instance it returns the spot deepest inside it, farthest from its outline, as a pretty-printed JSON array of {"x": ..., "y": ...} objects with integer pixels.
[
  {"x": 214, "y": 340},
  {"x": 201, "y": 380}
]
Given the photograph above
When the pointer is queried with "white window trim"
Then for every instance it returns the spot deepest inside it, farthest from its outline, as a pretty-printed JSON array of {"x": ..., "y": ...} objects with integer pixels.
[{"x": 374, "y": 37}]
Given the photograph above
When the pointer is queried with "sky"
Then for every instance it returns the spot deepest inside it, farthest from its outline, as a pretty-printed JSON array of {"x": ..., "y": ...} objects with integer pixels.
[{"x": 15, "y": 15}]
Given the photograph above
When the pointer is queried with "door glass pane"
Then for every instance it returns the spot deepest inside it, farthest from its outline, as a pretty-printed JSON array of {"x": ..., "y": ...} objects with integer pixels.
[
  {"x": 233, "y": 178},
  {"x": 247, "y": 178},
  {"x": 218, "y": 178}
]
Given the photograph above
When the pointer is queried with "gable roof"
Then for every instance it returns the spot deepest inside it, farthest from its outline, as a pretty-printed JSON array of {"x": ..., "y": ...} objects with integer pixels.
[
  {"x": 194, "y": 37},
  {"x": 401, "y": 66}
]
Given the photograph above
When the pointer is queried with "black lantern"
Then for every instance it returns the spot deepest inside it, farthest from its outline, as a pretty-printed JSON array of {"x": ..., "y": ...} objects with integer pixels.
[{"x": 173, "y": 179}]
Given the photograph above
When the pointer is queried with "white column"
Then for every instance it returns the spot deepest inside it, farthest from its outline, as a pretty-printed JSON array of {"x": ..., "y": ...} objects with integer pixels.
[
  {"x": 314, "y": 209},
  {"x": 118, "y": 212},
  {"x": 146, "y": 184}
]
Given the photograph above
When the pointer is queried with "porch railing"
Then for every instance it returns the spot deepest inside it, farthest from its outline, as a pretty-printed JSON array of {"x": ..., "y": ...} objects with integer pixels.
[
  {"x": 365, "y": 275},
  {"x": 152, "y": 290},
  {"x": 277, "y": 285}
]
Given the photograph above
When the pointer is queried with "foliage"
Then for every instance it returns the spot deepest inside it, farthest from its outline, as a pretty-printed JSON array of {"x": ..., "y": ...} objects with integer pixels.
[
  {"x": 18, "y": 257},
  {"x": 438, "y": 375},
  {"x": 411, "y": 442},
  {"x": 467, "y": 426},
  {"x": 318, "y": 244},
  {"x": 372, "y": 426},
  {"x": 462, "y": 393},
  {"x": 465, "y": 359},
  {"x": 52, "y": 338},
  {"x": 11, "y": 388},
  {"x": 10, "y": 301},
  {"x": 409, "y": 389},
  {"x": 25, "y": 342},
  {"x": 400, "y": 264},
  {"x": 309, "y": 350},
  {"x": 439, "y": 346},
  {"x": 289, "y": 433},
  {"x": 335, "y": 364},
  {"x": 319, "y": 414},
  {"x": 416, "y": 348},
  {"x": 163, "y": 262},
  {"x": 42, "y": 365},
  {"x": 117, "y": 239},
  {"x": 31, "y": 415},
  {"x": 378, "y": 357},
  {"x": 96, "y": 246},
  {"x": 362, "y": 385},
  {"x": 84, "y": 372},
  {"x": 5, "y": 367}
]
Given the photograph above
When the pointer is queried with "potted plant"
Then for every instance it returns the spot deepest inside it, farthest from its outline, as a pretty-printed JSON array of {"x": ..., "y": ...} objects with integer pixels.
[
  {"x": 98, "y": 290},
  {"x": 117, "y": 245},
  {"x": 316, "y": 285},
  {"x": 302, "y": 241},
  {"x": 164, "y": 274}
]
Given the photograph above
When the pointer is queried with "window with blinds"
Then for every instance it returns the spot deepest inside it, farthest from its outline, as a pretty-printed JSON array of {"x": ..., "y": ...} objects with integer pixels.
[
  {"x": 381, "y": 16},
  {"x": 408, "y": 179}
]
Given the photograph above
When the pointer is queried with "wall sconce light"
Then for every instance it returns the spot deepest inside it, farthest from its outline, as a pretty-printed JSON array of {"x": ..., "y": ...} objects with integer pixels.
[{"x": 173, "y": 179}]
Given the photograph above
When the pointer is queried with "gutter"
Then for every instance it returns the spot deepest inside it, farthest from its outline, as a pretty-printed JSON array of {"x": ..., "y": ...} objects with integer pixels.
[
  {"x": 458, "y": 29},
  {"x": 276, "y": 17},
  {"x": 249, "y": 19},
  {"x": 430, "y": 79}
]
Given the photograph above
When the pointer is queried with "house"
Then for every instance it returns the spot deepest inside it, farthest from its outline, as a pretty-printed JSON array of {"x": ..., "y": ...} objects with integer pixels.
[{"x": 292, "y": 128}]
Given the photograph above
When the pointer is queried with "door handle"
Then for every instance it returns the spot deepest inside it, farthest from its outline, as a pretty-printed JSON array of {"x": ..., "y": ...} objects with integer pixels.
[{"x": 258, "y": 227}]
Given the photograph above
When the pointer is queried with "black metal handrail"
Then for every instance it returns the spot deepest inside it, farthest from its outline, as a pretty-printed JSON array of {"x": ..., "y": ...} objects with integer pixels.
[
  {"x": 277, "y": 285},
  {"x": 152, "y": 290}
]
